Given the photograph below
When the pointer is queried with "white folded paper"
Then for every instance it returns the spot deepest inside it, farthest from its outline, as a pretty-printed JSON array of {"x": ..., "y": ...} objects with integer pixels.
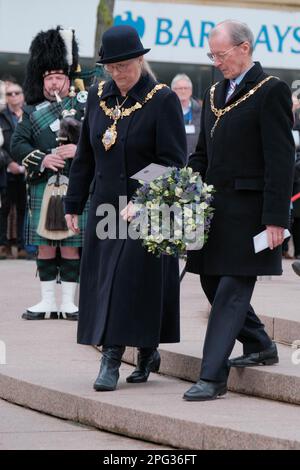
[
  {"x": 150, "y": 172},
  {"x": 261, "y": 240}
]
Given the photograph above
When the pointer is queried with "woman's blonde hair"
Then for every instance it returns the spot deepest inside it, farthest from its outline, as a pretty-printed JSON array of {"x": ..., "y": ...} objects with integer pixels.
[{"x": 147, "y": 69}]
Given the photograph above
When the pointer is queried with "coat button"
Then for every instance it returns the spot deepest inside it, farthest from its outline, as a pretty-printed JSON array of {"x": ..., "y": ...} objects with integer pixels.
[
  {"x": 122, "y": 176},
  {"x": 99, "y": 174}
]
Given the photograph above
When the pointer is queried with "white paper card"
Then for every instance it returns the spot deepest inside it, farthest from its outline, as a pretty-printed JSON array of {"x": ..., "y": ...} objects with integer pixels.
[
  {"x": 261, "y": 240},
  {"x": 55, "y": 125},
  {"x": 190, "y": 129},
  {"x": 150, "y": 172}
]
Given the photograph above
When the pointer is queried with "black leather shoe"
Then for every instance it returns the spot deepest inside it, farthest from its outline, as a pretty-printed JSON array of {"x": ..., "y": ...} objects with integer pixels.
[
  {"x": 148, "y": 361},
  {"x": 72, "y": 316},
  {"x": 28, "y": 315},
  {"x": 296, "y": 267},
  {"x": 265, "y": 358},
  {"x": 109, "y": 370},
  {"x": 203, "y": 390}
]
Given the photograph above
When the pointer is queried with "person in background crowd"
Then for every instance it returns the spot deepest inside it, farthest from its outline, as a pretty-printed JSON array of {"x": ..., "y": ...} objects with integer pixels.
[
  {"x": 191, "y": 109},
  {"x": 15, "y": 192},
  {"x": 2, "y": 95},
  {"x": 296, "y": 189},
  {"x": 246, "y": 150},
  {"x": 295, "y": 206}
]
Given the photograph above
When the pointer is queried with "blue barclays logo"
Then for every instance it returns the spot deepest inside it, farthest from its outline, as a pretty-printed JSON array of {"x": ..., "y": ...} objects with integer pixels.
[
  {"x": 271, "y": 37},
  {"x": 138, "y": 24}
]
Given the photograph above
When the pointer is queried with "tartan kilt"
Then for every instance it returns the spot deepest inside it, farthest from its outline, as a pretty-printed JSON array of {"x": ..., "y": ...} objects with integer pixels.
[{"x": 32, "y": 221}]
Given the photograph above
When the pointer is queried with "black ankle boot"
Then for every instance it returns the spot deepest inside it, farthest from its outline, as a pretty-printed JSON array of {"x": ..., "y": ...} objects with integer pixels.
[
  {"x": 148, "y": 361},
  {"x": 109, "y": 370}
]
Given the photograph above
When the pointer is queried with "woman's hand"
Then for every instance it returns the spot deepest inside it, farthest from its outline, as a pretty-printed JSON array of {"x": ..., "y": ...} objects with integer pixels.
[
  {"x": 128, "y": 212},
  {"x": 72, "y": 222},
  {"x": 66, "y": 151}
]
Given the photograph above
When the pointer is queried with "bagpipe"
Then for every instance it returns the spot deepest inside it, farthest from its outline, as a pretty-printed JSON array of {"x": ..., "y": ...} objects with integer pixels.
[{"x": 52, "y": 224}]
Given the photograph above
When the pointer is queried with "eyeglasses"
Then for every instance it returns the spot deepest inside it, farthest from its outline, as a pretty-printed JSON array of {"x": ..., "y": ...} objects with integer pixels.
[
  {"x": 122, "y": 67},
  {"x": 182, "y": 88},
  {"x": 14, "y": 93},
  {"x": 221, "y": 55}
]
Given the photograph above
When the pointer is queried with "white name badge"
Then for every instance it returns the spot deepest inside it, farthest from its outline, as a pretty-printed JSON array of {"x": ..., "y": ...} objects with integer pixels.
[
  {"x": 55, "y": 125},
  {"x": 190, "y": 129}
]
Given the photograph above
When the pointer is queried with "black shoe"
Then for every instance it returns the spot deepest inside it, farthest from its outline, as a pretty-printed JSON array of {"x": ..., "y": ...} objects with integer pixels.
[
  {"x": 203, "y": 390},
  {"x": 72, "y": 316},
  {"x": 148, "y": 361},
  {"x": 266, "y": 358},
  {"x": 296, "y": 267},
  {"x": 28, "y": 315},
  {"x": 109, "y": 370}
]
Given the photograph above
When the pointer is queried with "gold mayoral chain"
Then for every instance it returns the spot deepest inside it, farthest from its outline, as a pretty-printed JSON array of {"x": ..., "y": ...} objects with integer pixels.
[
  {"x": 220, "y": 112},
  {"x": 118, "y": 112}
]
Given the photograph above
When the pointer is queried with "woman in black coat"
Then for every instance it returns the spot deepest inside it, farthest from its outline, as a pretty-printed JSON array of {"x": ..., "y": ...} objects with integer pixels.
[{"x": 128, "y": 297}]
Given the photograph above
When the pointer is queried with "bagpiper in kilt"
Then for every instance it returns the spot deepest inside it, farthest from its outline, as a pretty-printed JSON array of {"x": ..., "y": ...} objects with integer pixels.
[{"x": 50, "y": 100}]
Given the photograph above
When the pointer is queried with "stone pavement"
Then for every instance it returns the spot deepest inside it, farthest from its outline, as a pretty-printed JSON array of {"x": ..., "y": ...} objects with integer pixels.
[
  {"x": 23, "y": 429},
  {"x": 47, "y": 371}
]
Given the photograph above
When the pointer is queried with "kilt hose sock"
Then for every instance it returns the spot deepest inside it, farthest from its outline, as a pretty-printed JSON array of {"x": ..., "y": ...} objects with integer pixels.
[
  {"x": 47, "y": 269},
  {"x": 69, "y": 270}
]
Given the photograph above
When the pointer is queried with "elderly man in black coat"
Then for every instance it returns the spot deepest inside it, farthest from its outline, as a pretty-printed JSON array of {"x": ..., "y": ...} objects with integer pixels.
[{"x": 246, "y": 151}]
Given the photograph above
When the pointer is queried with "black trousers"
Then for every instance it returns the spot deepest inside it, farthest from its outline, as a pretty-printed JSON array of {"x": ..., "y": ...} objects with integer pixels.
[
  {"x": 15, "y": 193},
  {"x": 231, "y": 318},
  {"x": 296, "y": 235}
]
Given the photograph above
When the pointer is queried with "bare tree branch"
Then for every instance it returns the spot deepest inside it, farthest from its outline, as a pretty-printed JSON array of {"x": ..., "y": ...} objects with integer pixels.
[{"x": 104, "y": 21}]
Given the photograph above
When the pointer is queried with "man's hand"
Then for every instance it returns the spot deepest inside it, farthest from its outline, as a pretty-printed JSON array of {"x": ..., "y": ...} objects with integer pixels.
[
  {"x": 72, "y": 222},
  {"x": 53, "y": 162},
  {"x": 66, "y": 151},
  {"x": 275, "y": 236}
]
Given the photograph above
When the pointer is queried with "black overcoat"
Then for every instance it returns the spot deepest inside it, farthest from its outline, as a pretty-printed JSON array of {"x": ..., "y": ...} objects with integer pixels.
[
  {"x": 127, "y": 296},
  {"x": 250, "y": 161}
]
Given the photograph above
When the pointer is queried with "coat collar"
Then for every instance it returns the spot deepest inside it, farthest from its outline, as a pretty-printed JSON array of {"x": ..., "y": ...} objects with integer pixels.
[
  {"x": 254, "y": 75},
  {"x": 138, "y": 92},
  {"x": 8, "y": 116}
]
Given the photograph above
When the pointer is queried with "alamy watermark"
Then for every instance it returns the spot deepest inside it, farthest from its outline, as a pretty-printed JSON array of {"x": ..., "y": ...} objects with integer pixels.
[
  {"x": 2, "y": 353},
  {"x": 295, "y": 357},
  {"x": 175, "y": 222}
]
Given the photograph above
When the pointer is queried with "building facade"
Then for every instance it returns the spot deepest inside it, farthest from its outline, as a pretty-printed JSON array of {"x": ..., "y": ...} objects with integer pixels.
[{"x": 175, "y": 30}]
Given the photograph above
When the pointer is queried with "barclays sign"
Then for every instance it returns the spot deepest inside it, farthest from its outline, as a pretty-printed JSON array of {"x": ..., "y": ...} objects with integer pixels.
[{"x": 179, "y": 33}]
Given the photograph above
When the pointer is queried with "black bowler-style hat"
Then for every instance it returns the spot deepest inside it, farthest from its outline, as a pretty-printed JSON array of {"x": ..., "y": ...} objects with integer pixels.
[{"x": 120, "y": 43}]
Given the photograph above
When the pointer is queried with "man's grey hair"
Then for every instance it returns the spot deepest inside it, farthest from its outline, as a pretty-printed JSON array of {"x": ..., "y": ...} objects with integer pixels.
[
  {"x": 181, "y": 76},
  {"x": 239, "y": 32}
]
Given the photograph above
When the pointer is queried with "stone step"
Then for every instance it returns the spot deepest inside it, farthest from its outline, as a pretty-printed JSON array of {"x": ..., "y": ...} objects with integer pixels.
[
  {"x": 49, "y": 373},
  {"x": 279, "y": 382}
]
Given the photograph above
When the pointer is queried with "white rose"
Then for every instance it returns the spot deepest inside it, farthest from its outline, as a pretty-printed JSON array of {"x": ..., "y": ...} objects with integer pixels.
[{"x": 178, "y": 191}]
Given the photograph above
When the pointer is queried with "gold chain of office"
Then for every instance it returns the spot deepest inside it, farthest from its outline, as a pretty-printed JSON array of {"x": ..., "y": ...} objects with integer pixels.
[
  {"x": 220, "y": 112},
  {"x": 110, "y": 135}
]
